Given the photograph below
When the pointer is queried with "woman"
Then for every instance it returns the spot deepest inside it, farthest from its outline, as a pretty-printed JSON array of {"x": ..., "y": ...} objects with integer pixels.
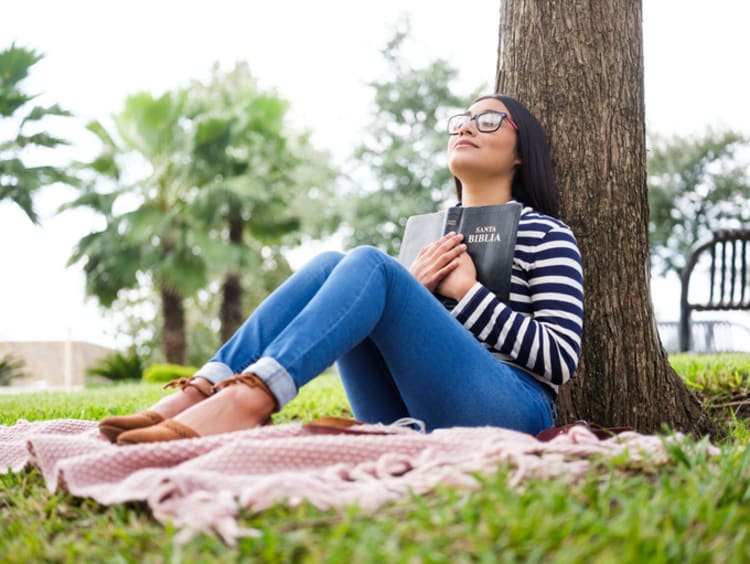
[{"x": 399, "y": 351}]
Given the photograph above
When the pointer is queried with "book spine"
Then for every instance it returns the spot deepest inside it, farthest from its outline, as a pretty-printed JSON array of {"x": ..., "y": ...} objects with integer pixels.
[{"x": 452, "y": 219}]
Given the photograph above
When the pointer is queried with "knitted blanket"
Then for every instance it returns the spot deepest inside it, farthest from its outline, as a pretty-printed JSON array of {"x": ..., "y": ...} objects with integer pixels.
[{"x": 199, "y": 484}]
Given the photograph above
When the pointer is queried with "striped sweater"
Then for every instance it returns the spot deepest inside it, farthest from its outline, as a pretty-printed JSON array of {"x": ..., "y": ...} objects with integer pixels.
[{"x": 539, "y": 330}]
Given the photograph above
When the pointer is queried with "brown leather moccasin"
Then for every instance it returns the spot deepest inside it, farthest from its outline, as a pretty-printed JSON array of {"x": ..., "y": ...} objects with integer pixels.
[
  {"x": 111, "y": 427},
  {"x": 167, "y": 430}
]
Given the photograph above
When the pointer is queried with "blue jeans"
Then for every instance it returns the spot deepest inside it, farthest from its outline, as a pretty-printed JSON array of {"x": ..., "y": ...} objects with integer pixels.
[{"x": 399, "y": 352}]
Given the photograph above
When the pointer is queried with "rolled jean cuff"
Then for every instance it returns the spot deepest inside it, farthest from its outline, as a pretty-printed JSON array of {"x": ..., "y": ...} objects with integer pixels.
[
  {"x": 215, "y": 372},
  {"x": 276, "y": 377}
]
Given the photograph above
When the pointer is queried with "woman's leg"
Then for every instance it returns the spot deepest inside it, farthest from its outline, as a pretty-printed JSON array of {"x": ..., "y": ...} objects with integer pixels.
[
  {"x": 370, "y": 389},
  {"x": 443, "y": 374},
  {"x": 237, "y": 353},
  {"x": 245, "y": 346},
  {"x": 269, "y": 319},
  {"x": 427, "y": 366}
]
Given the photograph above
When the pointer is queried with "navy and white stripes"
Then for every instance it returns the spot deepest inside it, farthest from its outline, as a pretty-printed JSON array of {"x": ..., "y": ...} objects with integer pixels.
[{"x": 540, "y": 328}]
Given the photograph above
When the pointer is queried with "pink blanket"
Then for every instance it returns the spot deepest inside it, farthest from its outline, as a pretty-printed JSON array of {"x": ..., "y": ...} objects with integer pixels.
[{"x": 198, "y": 484}]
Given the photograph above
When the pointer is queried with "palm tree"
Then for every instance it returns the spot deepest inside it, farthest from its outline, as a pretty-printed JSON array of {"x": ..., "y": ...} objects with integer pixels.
[
  {"x": 203, "y": 180},
  {"x": 149, "y": 234},
  {"x": 256, "y": 177},
  {"x": 18, "y": 180}
]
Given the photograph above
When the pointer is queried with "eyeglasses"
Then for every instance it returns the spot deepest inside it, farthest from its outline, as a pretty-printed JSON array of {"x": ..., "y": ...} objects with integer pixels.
[{"x": 487, "y": 122}]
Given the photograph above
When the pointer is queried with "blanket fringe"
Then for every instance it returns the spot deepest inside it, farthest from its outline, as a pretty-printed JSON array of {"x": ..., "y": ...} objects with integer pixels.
[{"x": 200, "y": 484}]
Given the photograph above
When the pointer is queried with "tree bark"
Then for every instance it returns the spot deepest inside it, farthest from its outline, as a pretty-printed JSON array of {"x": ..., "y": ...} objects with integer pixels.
[
  {"x": 174, "y": 325},
  {"x": 578, "y": 66},
  {"x": 230, "y": 311}
]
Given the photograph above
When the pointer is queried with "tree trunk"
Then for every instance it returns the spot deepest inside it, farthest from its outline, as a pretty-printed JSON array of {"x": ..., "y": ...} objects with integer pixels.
[
  {"x": 231, "y": 306},
  {"x": 230, "y": 312},
  {"x": 578, "y": 66},
  {"x": 174, "y": 325}
]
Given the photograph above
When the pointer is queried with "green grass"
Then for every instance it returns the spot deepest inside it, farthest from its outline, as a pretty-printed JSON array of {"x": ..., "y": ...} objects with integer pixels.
[
  {"x": 325, "y": 396},
  {"x": 695, "y": 509},
  {"x": 713, "y": 372},
  {"x": 721, "y": 382}
]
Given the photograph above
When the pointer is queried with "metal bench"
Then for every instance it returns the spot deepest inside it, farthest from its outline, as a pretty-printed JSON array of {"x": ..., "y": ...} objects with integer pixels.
[{"x": 726, "y": 257}]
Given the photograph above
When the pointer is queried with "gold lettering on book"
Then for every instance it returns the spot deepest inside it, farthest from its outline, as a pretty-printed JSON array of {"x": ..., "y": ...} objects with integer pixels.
[
  {"x": 484, "y": 234},
  {"x": 485, "y": 229}
]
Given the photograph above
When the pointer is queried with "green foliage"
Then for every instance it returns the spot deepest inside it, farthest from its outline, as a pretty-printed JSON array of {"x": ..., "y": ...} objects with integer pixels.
[
  {"x": 694, "y": 186},
  {"x": 261, "y": 185},
  {"x": 10, "y": 369},
  {"x": 404, "y": 150},
  {"x": 137, "y": 315},
  {"x": 119, "y": 366},
  {"x": 139, "y": 185},
  {"x": 157, "y": 237},
  {"x": 194, "y": 185},
  {"x": 18, "y": 180},
  {"x": 166, "y": 372}
]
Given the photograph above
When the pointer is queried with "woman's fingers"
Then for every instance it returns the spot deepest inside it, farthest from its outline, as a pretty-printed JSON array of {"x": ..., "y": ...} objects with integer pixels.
[
  {"x": 441, "y": 246},
  {"x": 436, "y": 260}
]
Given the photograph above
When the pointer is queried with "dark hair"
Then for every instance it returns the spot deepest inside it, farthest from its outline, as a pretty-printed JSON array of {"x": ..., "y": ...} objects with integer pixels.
[{"x": 534, "y": 182}]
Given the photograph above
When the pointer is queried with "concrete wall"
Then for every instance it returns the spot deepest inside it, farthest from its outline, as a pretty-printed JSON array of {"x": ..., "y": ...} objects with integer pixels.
[{"x": 54, "y": 364}]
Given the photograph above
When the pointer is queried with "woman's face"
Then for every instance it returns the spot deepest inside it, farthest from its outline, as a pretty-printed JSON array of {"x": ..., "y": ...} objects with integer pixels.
[{"x": 474, "y": 154}]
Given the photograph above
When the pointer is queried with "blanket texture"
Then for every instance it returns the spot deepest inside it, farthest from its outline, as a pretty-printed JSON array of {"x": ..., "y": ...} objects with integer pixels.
[{"x": 199, "y": 484}]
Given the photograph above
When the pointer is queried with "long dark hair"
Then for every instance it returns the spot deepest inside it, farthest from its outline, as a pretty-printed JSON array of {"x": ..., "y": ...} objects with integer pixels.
[{"x": 534, "y": 182}]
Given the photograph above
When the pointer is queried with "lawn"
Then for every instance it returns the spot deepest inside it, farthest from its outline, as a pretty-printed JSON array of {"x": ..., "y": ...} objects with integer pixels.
[{"x": 695, "y": 509}]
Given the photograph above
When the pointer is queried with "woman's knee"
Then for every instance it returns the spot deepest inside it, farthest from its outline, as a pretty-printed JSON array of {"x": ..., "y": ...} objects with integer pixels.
[
  {"x": 368, "y": 253},
  {"x": 327, "y": 259}
]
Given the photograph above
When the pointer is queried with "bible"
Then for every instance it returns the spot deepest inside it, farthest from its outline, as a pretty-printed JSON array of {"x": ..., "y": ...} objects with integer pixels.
[{"x": 489, "y": 234}]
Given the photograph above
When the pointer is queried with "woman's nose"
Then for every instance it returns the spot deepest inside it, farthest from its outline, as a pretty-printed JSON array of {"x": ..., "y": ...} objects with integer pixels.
[{"x": 467, "y": 127}]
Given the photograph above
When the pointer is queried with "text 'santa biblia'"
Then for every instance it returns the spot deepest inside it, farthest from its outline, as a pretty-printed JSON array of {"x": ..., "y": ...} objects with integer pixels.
[{"x": 489, "y": 234}]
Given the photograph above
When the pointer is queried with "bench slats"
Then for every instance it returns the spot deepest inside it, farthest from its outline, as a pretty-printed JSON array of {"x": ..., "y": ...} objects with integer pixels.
[{"x": 728, "y": 277}]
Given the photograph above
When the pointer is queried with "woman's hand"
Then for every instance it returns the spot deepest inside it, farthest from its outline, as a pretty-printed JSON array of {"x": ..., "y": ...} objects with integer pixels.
[
  {"x": 445, "y": 267},
  {"x": 436, "y": 260},
  {"x": 460, "y": 279}
]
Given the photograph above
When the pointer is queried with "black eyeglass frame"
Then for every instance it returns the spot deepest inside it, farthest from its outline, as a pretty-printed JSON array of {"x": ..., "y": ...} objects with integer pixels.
[{"x": 503, "y": 117}]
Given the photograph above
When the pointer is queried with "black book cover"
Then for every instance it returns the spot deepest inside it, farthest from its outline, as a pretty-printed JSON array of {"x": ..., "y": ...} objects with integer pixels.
[{"x": 489, "y": 233}]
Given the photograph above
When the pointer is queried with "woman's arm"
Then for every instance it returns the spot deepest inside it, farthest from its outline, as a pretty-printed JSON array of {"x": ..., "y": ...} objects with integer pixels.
[{"x": 541, "y": 328}]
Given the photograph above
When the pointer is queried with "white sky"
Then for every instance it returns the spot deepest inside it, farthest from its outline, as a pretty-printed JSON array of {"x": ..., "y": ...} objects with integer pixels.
[{"x": 320, "y": 56}]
